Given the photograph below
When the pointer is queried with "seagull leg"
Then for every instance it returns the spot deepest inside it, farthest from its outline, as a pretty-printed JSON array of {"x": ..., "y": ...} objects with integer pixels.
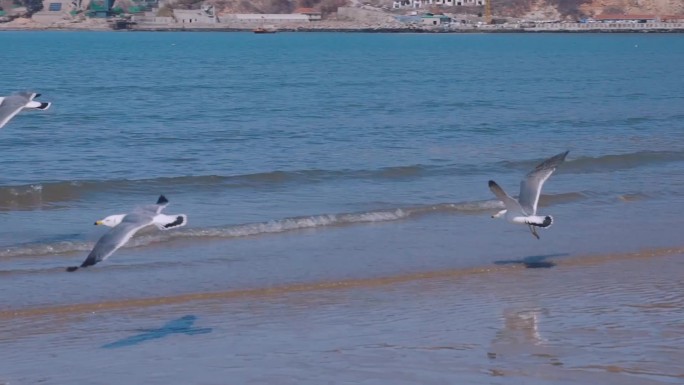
[{"x": 534, "y": 231}]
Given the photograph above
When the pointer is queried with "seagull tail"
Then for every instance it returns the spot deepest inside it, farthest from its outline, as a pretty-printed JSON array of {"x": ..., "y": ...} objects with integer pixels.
[
  {"x": 88, "y": 262},
  {"x": 538, "y": 221}
]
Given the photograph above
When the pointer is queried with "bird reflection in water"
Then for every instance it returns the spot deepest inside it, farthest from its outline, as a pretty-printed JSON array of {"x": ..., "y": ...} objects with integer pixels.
[
  {"x": 519, "y": 333},
  {"x": 519, "y": 345}
]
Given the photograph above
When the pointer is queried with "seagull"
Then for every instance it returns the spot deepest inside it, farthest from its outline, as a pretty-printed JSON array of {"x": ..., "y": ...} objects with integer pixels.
[
  {"x": 11, "y": 105},
  {"x": 524, "y": 209},
  {"x": 124, "y": 226}
]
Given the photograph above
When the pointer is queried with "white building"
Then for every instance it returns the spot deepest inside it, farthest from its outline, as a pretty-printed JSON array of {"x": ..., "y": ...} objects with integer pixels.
[
  {"x": 397, "y": 4},
  {"x": 434, "y": 20},
  {"x": 299, "y": 15},
  {"x": 56, "y": 10},
  {"x": 270, "y": 17},
  {"x": 205, "y": 15}
]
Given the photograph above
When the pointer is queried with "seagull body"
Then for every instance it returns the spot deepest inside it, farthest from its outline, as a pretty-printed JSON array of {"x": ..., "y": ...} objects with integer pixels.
[
  {"x": 124, "y": 226},
  {"x": 524, "y": 209},
  {"x": 13, "y": 104}
]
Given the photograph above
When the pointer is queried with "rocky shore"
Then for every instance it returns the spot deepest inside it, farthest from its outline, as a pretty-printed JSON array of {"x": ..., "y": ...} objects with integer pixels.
[{"x": 341, "y": 26}]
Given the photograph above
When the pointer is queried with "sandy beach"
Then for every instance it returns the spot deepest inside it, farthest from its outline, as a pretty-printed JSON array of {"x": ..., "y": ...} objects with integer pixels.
[{"x": 610, "y": 319}]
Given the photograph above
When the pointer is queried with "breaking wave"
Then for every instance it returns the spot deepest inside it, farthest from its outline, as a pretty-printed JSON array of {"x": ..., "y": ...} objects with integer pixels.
[{"x": 281, "y": 225}]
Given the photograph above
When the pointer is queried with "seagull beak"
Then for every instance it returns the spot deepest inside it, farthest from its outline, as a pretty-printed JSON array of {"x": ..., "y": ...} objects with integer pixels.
[{"x": 98, "y": 223}]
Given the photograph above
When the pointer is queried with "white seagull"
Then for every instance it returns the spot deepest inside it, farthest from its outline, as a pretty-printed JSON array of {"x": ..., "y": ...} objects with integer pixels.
[
  {"x": 13, "y": 104},
  {"x": 126, "y": 225},
  {"x": 524, "y": 209}
]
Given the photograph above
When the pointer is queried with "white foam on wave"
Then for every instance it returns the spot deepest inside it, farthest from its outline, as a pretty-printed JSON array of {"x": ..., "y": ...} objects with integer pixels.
[
  {"x": 274, "y": 226},
  {"x": 260, "y": 228},
  {"x": 45, "y": 249}
]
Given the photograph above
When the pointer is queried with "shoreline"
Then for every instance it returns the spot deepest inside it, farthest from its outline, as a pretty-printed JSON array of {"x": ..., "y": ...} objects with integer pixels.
[
  {"x": 345, "y": 30},
  {"x": 120, "y": 304},
  {"x": 616, "y": 323},
  {"x": 360, "y": 30},
  {"x": 348, "y": 27}
]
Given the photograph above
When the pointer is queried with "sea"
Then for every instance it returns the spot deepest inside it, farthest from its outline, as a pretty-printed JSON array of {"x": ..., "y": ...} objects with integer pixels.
[{"x": 339, "y": 216}]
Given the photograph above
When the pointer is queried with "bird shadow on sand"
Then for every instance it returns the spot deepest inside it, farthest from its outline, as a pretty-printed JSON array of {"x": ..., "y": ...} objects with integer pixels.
[
  {"x": 533, "y": 261},
  {"x": 181, "y": 325}
]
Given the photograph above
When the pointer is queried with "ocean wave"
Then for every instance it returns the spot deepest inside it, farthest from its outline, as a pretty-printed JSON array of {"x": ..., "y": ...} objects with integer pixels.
[
  {"x": 54, "y": 194},
  {"x": 619, "y": 162},
  {"x": 44, "y": 195},
  {"x": 280, "y": 225},
  {"x": 606, "y": 163},
  {"x": 18, "y": 197}
]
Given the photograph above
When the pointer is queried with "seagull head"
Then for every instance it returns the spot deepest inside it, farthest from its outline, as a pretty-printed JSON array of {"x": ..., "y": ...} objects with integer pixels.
[{"x": 111, "y": 220}]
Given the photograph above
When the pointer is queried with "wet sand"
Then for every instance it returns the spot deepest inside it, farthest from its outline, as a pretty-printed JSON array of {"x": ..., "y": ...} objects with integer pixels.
[{"x": 609, "y": 319}]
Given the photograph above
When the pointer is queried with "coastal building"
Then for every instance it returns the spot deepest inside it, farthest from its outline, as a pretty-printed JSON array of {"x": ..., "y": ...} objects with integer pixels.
[
  {"x": 610, "y": 18},
  {"x": 310, "y": 12},
  {"x": 265, "y": 17},
  {"x": 189, "y": 16},
  {"x": 300, "y": 15},
  {"x": 411, "y": 3},
  {"x": 415, "y": 4},
  {"x": 152, "y": 18},
  {"x": 672, "y": 18},
  {"x": 207, "y": 16},
  {"x": 56, "y": 10},
  {"x": 457, "y": 3},
  {"x": 432, "y": 19}
]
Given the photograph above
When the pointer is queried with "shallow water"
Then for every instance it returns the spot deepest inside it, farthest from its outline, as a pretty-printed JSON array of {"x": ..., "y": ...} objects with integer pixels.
[
  {"x": 312, "y": 160},
  {"x": 610, "y": 320}
]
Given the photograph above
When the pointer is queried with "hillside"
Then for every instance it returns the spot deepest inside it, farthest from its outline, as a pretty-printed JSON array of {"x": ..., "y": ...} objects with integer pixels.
[{"x": 539, "y": 9}]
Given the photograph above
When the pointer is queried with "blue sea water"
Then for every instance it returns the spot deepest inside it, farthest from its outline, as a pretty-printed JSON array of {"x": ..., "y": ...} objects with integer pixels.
[
  {"x": 251, "y": 135},
  {"x": 323, "y": 157}
]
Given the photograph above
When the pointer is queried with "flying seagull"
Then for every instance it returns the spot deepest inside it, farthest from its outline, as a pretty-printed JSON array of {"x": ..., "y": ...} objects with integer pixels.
[
  {"x": 124, "y": 226},
  {"x": 524, "y": 209},
  {"x": 13, "y": 104}
]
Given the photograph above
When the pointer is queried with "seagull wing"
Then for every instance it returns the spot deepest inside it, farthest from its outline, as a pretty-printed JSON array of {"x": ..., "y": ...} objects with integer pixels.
[
  {"x": 26, "y": 95},
  {"x": 530, "y": 187},
  {"x": 116, "y": 237},
  {"x": 168, "y": 222},
  {"x": 154, "y": 209},
  {"x": 511, "y": 204},
  {"x": 11, "y": 105}
]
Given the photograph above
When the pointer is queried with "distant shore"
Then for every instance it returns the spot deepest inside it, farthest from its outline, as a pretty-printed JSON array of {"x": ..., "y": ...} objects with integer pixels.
[{"x": 349, "y": 26}]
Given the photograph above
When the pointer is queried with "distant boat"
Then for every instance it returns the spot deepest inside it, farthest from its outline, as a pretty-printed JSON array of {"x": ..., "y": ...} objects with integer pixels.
[{"x": 264, "y": 30}]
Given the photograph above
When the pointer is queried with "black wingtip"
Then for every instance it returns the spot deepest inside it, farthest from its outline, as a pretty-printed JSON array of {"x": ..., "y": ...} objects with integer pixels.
[
  {"x": 180, "y": 219},
  {"x": 36, "y": 95},
  {"x": 560, "y": 157},
  {"x": 492, "y": 183},
  {"x": 162, "y": 200},
  {"x": 72, "y": 268},
  {"x": 44, "y": 106}
]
